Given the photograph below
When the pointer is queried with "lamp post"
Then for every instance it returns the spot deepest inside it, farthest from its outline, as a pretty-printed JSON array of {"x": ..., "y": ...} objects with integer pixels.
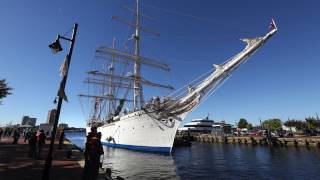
[{"x": 56, "y": 47}]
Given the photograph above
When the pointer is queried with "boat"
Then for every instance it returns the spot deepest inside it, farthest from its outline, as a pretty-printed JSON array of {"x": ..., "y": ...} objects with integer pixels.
[
  {"x": 198, "y": 126},
  {"x": 205, "y": 126},
  {"x": 150, "y": 125}
]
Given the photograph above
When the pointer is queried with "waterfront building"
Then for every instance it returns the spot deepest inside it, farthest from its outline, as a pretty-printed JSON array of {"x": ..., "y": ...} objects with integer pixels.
[
  {"x": 221, "y": 128},
  {"x": 26, "y": 120},
  {"x": 292, "y": 129},
  {"x": 51, "y": 116},
  {"x": 63, "y": 125}
]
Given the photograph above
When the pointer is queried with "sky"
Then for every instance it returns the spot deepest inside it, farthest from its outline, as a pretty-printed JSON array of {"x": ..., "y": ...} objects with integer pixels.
[{"x": 281, "y": 80}]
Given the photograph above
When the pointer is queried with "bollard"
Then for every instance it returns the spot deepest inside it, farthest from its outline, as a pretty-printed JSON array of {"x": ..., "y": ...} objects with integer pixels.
[{"x": 295, "y": 142}]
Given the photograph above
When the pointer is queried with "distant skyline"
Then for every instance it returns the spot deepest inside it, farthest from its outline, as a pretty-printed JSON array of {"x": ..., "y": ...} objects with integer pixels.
[{"x": 281, "y": 80}]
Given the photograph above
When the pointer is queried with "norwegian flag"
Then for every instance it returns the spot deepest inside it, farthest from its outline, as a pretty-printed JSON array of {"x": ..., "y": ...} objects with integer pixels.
[{"x": 272, "y": 25}]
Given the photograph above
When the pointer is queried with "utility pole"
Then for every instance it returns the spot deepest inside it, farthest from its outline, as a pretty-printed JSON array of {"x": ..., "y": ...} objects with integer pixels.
[{"x": 61, "y": 95}]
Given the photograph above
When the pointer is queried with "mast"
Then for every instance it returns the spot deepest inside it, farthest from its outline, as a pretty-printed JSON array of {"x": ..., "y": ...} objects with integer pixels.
[
  {"x": 137, "y": 93},
  {"x": 133, "y": 82},
  {"x": 111, "y": 69}
]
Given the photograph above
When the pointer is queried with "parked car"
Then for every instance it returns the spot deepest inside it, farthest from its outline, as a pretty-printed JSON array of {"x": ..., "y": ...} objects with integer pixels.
[
  {"x": 243, "y": 133},
  {"x": 281, "y": 133},
  {"x": 253, "y": 133}
]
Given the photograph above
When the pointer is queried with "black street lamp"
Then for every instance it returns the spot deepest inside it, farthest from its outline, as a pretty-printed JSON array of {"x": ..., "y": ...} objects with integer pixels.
[{"x": 56, "y": 47}]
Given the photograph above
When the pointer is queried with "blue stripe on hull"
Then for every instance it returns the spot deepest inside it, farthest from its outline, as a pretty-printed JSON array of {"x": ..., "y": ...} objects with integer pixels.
[{"x": 139, "y": 148}]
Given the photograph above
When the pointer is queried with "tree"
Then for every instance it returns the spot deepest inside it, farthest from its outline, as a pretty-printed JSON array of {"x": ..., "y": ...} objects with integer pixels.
[
  {"x": 272, "y": 124},
  {"x": 4, "y": 89},
  {"x": 290, "y": 123},
  {"x": 249, "y": 126},
  {"x": 242, "y": 123},
  {"x": 300, "y": 125},
  {"x": 312, "y": 123}
]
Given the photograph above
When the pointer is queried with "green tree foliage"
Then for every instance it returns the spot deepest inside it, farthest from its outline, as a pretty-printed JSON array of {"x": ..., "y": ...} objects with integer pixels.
[
  {"x": 249, "y": 126},
  {"x": 4, "y": 89},
  {"x": 300, "y": 125},
  {"x": 242, "y": 123},
  {"x": 272, "y": 124},
  {"x": 312, "y": 123}
]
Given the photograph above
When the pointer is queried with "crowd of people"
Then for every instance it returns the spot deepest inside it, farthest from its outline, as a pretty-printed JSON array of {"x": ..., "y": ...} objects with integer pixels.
[
  {"x": 36, "y": 140},
  {"x": 6, "y": 133}
]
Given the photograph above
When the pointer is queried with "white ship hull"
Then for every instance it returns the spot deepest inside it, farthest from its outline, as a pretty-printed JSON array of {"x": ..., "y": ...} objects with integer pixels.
[{"x": 140, "y": 131}]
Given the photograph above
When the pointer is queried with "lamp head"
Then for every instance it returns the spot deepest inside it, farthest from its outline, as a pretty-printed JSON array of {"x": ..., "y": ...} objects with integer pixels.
[{"x": 55, "y": 46}]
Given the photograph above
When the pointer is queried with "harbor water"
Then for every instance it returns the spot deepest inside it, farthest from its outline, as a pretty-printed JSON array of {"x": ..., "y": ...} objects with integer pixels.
[{"x": 212, "y": 161}]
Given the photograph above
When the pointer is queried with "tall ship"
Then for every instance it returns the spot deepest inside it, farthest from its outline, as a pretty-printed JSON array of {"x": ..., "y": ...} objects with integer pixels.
[{"x": 150, "y": 125}]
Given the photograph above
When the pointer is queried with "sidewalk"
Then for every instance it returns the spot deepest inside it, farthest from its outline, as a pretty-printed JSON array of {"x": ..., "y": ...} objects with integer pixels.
[{"x": 15, "y": 163}]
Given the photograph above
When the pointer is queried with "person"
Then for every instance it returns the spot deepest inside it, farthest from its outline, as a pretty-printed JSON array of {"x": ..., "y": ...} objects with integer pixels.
[
  {"x": 92, "y": 153},
  {"x": 41, "y": 139},
  {"x": 5, "y": 132},
  {"x": 16, "y": 136},
  {"x": 10, "y": 131},
  {"x": 1, "y": 132},
  {"x": 27, "y": 136},
  {"x": 61, "y": 139},
  {"x": 32, "y": 145}
]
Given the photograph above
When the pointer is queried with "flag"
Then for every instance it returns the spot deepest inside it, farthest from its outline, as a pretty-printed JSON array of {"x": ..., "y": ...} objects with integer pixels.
[
  {"x": 62, "y": 94},
  {"x": 64, "y": 66},
  {"x": 272, "y": 25}
]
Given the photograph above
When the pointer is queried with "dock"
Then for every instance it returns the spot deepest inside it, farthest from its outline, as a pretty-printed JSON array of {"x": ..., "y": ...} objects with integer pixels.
[
  {"x": 15, "y": 164},
  {"x": 303, "y": 141}
]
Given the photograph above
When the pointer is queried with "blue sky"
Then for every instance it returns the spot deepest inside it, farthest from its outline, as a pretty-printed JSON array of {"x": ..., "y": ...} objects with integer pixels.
[{"x": 281, "y": 80}]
